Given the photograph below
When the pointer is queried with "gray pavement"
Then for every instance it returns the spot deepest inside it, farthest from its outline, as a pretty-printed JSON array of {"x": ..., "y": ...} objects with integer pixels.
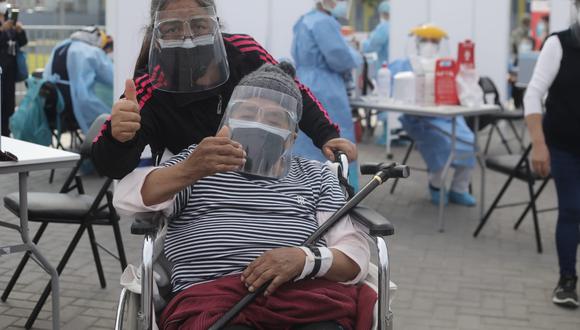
[{"x": 446, "y": 280}]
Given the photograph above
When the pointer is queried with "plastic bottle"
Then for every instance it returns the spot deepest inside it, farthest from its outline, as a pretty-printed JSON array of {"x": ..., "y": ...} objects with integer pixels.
[{"x": 384, "y": 82}]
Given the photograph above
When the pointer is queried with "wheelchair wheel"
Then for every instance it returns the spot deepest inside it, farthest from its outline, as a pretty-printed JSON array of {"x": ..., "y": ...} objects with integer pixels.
[{"x": 128, "y": 311}]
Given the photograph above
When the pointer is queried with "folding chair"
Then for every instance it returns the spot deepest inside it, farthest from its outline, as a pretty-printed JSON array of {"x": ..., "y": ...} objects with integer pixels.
[
  {"x": 491, "y": 96},
  {"x": 58, "y": 122},
  {"x": 73, "y": 209},
  {"x": 517, "y": 167},
  {"x": 410, "y": 148}
]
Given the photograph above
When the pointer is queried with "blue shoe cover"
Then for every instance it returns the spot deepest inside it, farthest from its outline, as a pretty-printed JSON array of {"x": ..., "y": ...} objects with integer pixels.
[
  {"x": 464, "y": 199},
  {"x": 436, "y": 195}
]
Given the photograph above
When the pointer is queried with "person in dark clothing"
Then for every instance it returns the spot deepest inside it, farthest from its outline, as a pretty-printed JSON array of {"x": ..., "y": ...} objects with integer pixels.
[
  {"x": 179, "y": 93},
  {"x": 12, "y": 37},
  {"x": 555, "y": 144}
]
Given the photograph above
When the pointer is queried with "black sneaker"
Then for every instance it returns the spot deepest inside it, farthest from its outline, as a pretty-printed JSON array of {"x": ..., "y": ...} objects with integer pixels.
[{"x": 565, "y": 293}]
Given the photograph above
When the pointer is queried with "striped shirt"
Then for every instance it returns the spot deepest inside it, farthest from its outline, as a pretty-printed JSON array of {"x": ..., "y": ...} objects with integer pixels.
[{"x": 223, "y": 222}]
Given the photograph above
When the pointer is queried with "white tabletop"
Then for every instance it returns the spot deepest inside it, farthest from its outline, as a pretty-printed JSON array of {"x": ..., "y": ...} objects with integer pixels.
[
  {"x": 424, "y": 110},
  {"x": 33, "y": 157}
]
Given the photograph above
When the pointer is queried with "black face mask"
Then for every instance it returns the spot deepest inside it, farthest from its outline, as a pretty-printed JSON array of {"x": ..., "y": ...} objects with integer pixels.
[
  {"x": 193, "y": 64},
  {"x": 264, "y": 149}
]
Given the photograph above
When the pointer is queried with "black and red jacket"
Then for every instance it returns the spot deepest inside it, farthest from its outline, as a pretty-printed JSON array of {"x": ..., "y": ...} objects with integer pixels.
[{"x": 175, "y": 121}]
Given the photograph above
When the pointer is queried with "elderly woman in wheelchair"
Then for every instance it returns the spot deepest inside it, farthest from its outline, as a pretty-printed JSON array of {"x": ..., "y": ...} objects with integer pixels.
[{"x": 240, "y": 207}]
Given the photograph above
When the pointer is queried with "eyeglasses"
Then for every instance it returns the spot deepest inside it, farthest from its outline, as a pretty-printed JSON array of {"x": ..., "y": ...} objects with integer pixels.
[{"x": 177, "y": 29}]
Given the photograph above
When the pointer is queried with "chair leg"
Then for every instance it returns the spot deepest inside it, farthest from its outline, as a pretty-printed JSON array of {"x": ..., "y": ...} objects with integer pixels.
[
  {"x": 517, "y": 135},
  {"x": 525, "y": 213},
  {"x": 504, "y": 141},
  {"x": 73, "y": 244},
  {"x": 119, "y": 241},
  {"x": 535, "y": 214},
  {"x": 23, "y": 263},
  {"x": 405, "y": 159},
  {"x": 493, "y": 206},
  {"x": 489, "y": 136},
  {"x": 96, "y": 256}
]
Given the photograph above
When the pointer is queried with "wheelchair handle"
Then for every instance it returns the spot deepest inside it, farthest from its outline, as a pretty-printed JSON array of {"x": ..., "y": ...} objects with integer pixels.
[{"x": 386, "y": 170}]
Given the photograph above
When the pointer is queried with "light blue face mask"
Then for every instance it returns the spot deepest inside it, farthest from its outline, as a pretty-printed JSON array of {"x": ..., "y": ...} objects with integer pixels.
[{"x": 340, "y": 10}]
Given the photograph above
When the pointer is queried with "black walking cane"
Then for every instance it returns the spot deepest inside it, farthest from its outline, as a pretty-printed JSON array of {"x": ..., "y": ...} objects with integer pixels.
[{"x": 382, "y": 172}]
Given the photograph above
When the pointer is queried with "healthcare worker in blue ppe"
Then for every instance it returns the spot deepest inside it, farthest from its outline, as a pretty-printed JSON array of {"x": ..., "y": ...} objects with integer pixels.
[
  {"x": 83, "y": 71},
  {"x": 323, "y": 58},
  {"x": 378, "y": 41},
  {"x": 432, "y": 135}
]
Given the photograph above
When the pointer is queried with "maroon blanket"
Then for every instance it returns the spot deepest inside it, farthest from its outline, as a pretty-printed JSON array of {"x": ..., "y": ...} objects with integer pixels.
[{"x": 302, "y": 302}]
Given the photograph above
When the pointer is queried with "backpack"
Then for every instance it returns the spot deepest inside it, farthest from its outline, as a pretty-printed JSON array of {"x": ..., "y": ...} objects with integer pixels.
[
  {"x": 21, "y": 66},
  {"x": 29, "y": 122}
]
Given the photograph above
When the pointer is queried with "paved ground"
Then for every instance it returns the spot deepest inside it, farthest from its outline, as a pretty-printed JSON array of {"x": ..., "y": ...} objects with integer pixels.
[{"x": 446, "y": 280}]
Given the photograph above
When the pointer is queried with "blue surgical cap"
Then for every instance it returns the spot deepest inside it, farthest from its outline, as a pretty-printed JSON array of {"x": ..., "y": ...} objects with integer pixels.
[{"x": 384, "y": 7}]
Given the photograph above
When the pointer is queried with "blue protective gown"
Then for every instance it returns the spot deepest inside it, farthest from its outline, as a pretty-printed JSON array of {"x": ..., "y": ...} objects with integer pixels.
[
  {"x": 378, "y": 42},
  {"x": 323, "y": 58},
  {"x": 433, "y": 145},
  {"x": 88, "y": 67}
]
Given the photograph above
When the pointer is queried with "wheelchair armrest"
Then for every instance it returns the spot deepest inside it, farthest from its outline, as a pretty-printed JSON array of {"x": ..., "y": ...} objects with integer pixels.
[
  {"x": 146, "y": 223},
  {"x": 373, "y": 221}
]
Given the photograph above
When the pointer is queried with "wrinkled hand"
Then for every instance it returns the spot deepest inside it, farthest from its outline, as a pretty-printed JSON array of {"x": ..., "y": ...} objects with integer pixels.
[
  {"x": 279, "y": 265},
  {"x": 541, "y": 159},
  {"x": 125, "y": 117},
  {"x": 214, "y": 155},
  {"x": 339, "y": 144}
]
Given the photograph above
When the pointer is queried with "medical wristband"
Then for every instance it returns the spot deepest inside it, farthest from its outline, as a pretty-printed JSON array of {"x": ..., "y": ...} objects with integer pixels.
[
  {"x": 326, "y": 261},
  {"x": 317, "y": 262}
]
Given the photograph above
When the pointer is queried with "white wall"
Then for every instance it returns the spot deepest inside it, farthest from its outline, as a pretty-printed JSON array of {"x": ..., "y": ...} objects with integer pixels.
[
  {"x": 126, "y": 21},
  {"x": 484, "y": 22},
  {"x": 269, "y": 21},
  {"x": 560, "y": 15}
]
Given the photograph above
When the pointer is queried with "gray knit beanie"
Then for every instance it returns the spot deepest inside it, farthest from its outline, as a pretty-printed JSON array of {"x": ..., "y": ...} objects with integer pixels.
[{"x": 273, "y": 77}]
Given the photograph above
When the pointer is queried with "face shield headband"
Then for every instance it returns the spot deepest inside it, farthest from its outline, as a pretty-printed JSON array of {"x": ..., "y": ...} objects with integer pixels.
[{"x": 187, "y": 52}]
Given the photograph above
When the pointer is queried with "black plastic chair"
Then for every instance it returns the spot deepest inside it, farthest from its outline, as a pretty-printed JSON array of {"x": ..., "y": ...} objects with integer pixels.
[
  {"x": 66, "y": 207},
  {"x": 517, "y": 167},
  {"x": 490, "y": 91}
]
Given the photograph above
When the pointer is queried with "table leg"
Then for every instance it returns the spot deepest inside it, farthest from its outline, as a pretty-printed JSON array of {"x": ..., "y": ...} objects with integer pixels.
[
  {"x": 443, "y": 189},
  {"x": 23, "y": 192},
  {"x": 480, "y": 159},
  {"x": 389, "y": 137}
]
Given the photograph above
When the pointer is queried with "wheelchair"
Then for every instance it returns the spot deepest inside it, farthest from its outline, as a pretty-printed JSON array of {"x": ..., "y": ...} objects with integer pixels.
[{"x": 147, "y": 289}]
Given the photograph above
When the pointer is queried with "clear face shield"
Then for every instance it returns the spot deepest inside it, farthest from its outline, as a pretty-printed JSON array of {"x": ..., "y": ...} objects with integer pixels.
[
  {"x": 263, "y": 121},
  {"x": 187, "y": 51}
]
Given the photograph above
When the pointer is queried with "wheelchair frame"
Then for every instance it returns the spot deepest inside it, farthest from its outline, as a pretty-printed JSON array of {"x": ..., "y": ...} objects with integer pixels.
[{"x": 375, "y": 227}]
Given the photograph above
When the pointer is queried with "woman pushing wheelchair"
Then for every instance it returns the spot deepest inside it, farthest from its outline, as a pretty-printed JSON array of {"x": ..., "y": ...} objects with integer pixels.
[{"x": 237, "y": 220}]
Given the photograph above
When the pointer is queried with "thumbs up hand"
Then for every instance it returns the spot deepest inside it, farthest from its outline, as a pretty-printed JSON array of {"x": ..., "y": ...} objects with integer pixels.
[{"x": 125, "y": 118}]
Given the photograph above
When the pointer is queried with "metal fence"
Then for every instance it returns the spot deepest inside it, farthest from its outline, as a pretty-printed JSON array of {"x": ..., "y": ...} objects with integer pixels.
[{"x": 41, "y": 41}]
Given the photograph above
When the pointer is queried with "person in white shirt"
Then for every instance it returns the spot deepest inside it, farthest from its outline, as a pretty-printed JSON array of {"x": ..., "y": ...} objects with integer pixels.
[{"x": 556, "y": 144}]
